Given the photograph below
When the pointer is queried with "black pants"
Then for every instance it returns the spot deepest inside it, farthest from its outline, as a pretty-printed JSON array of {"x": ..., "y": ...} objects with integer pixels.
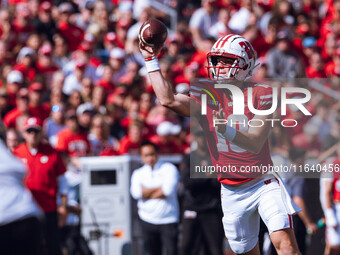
[
  {"x": 21, "y": 237},
  {"x": 203, "y": 232},
  {"x": 51, "y": 234},
  {"x": 73, "y": 241},
  {"x": 157, "y": 237}
]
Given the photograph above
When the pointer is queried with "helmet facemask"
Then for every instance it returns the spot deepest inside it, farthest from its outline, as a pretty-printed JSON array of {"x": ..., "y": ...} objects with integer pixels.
[{"x": 233, "y": 63}]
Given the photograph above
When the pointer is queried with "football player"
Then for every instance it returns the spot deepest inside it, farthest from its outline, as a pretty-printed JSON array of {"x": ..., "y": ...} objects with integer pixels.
[
  {"x": 330, "y": 200},
  {"x": 245, "y": 198}
]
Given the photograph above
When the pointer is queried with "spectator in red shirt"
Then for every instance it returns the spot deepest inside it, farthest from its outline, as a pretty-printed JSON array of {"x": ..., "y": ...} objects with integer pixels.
[
  {"x": 316, "y": 68},
  {"x": 145, "y": 105},
  {"x": 165, "y": 138},
  {"x": 158, "y": 114},
  {"x": 131, "y": 73},
  {"x": 20, "y": 109},
  {"x": 72, "y": 141},
  {"x": 333, "y": 67},
  {"x": 190, "y": 72},
  {"x": 110, "y": 41},
  {"x": 21, "y": 26},
  {"x": 15, "y": 81},
  {"x": 45, "y": 66},
  {"x": 36, "y": 107},
  {"x": 106, "y": 80},
  {"x": 73, "y": 34},
  {"x": 132, "y": 141},
  {"x": 122, "y": 27},
  {"x": 25, "y": 63},
  {"x": 45, "y": 170},
  {"x": 133, "y": 114},
  {"x": 328, "y": 47}
]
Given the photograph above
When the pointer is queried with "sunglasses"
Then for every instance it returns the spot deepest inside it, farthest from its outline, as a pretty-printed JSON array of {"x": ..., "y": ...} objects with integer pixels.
[{"x": 32, "y": 130}]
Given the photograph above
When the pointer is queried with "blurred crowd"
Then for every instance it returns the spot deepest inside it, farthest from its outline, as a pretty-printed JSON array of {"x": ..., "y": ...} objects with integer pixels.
[{"x": 76, "y": 67}]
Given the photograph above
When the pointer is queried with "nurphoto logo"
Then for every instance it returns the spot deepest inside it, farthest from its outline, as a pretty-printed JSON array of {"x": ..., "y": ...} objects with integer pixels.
[{"x": 239, "y": 105}]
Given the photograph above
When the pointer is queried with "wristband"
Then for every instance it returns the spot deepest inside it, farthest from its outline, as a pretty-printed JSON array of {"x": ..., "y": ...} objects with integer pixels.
[
  {"x": 229, "y": 133},
  {"x": 150, "y": 58},
  {"x": 152, "y": 65},
  {"x": 330, "y": 217}
]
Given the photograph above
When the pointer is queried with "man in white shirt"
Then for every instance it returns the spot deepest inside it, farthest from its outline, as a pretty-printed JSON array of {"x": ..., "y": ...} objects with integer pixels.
[
  {"x": 20, "y": 228},
  {"x": 154, "y": 186},
  {"x": 202, "y": 20}
]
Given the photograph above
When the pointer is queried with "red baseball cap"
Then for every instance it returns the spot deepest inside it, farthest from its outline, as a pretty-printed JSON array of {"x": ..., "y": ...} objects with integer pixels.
[
  {"x": 45, "y": 6},
  {"x": 36, "y": 86},
  {"x": 85, "y": 47},
  {"x": 111, "y": 37},
  {"x": 123, "y": 23},
  {"x": 33, "y": 123}
]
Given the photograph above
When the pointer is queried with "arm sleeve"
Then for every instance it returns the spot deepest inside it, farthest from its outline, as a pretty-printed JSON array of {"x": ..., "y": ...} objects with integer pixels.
[
  {"x": 135, "y": 188},
  {"x": 171, "y": 179}
]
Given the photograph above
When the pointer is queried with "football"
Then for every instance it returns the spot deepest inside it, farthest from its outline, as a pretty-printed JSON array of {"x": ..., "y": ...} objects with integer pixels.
[{"x": 153, "y": 33}]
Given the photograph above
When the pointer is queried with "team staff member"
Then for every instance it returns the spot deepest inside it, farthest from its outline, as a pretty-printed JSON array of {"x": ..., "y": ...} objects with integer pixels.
[
  {"x": 154, "y": 186},
  {"x": 45, "y": 170},
  {"x": 245, "y": 198}
]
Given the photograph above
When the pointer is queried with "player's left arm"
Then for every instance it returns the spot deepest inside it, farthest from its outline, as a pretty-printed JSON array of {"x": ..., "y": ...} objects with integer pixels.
[{"x": 252, "y": 140}]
